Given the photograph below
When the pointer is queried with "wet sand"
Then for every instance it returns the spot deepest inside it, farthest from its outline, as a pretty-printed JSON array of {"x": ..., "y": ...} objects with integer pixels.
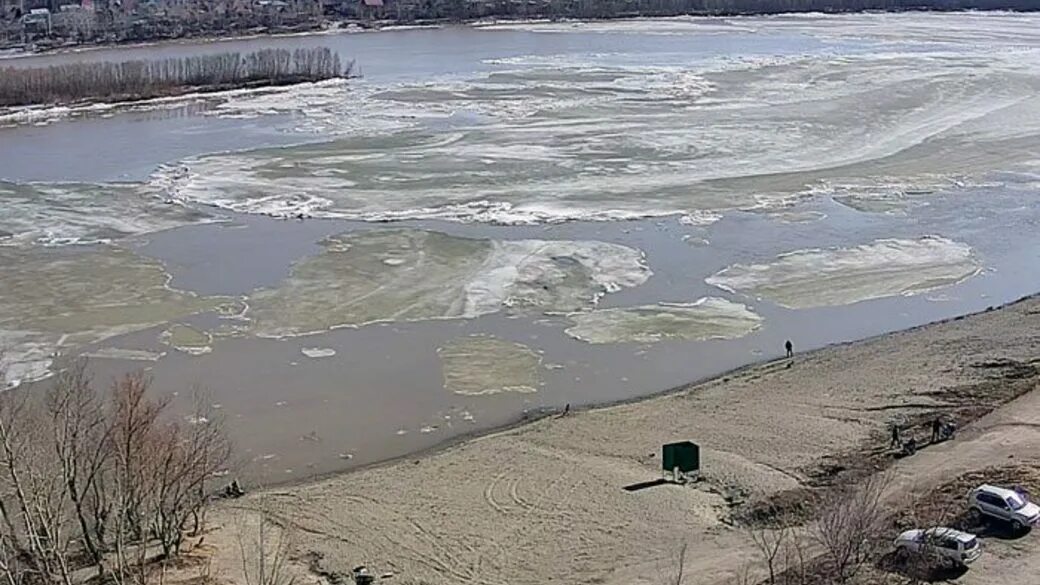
[{"x": 544, "y": 502}]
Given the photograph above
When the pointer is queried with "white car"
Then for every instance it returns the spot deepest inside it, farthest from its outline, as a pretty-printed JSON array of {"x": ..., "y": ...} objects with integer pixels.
[
  {"x": 1004, "y": 504},
  {"x": 960, "y": 547}
]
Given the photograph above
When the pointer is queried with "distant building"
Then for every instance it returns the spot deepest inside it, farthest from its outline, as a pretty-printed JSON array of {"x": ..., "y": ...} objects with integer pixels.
[
  {"x": 372, "y": 9},
  {"x": 43, "y": 23},
  {"x": 74, "y": 23},
  {"x": 37, "y": 23}
]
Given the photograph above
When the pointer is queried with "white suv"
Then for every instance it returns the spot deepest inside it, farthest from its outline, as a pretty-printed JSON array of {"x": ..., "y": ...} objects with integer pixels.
[
  {"x": 960, "y": 547},
  {"x": 1004, "y": 504}
]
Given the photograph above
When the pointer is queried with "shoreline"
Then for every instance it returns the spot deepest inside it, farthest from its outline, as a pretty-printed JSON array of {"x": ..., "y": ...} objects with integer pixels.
[
  {"x": 534, "y": 416},
  {"x": 573, "y": 499}
]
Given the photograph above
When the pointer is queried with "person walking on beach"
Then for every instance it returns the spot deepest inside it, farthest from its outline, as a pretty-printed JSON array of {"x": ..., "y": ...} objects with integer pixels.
[{"x": 790, "y": 349}]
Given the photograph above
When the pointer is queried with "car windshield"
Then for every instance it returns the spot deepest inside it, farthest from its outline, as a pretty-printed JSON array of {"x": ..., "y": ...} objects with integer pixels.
[
  {"x": 971, "y": 544},
  {"x": 1016, "y": 501}
]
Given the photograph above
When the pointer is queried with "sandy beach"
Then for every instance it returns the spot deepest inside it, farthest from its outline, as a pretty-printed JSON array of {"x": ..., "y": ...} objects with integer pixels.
[{"x": 543, "y": 503}]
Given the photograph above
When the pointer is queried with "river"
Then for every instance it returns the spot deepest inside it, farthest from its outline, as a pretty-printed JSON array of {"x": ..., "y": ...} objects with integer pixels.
[{"x": 501, "y": 219}]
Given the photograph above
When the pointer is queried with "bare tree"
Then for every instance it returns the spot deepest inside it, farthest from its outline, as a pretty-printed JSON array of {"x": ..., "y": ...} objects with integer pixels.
[
  {"x": 36, "y": 532},
  {"x": 134, "y": 448},
  {"x": 849, "y": 526},
  {"x": 13, "y": 558},
  {"x": 265, "y": 546},
  {"x": 112, "y": 483},
  {"x": 770, "y": 542},
  {"x": 161, "y": 469},
  {"x": 185, "y": 459},
  {"x": 81, "y": 433}
]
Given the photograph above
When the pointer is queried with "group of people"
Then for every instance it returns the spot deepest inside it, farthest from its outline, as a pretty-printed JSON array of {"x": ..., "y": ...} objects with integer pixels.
[
  {"x": 233, "y": 490},
  {"x": 941, "y": 430}
]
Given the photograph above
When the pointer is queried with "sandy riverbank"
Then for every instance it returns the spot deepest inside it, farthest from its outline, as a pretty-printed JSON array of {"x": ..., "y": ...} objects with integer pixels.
[{"x": 544, "y": 502}]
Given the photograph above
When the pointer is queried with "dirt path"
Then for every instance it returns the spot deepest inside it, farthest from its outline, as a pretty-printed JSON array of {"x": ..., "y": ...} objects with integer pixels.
[{"x": 1008, "y": 436}]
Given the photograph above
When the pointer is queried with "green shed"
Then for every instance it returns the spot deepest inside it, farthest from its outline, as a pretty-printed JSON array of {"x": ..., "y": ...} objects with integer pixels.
[{"x": 682, "y": 459}]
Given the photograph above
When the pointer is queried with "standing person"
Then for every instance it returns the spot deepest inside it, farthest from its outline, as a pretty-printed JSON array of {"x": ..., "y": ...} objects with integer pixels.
[
  {"x": 910, "y": 447},
  {"x": 896, "y": 439},
  {"x": 790, "y": 348},
  {"x": 936, "y": 429}
]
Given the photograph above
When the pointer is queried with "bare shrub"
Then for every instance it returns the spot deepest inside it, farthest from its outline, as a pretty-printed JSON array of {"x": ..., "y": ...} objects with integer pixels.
[
  {"x": 770, "y": 543},
  {"x": 798, "y": 561},
  {"x": 849, "y": 528},
  {"x": 265, "y": 546},
  {"x": 790, "y": 506}
]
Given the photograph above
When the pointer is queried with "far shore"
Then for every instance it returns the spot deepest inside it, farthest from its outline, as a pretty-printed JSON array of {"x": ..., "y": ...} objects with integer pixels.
[{"x": 348, "y": 25}]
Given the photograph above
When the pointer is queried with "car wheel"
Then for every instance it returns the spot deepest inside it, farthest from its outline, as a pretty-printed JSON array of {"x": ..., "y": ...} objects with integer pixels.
[
  {"x": 975, "y": 515},
  {"x": 1017, "y": 526}
]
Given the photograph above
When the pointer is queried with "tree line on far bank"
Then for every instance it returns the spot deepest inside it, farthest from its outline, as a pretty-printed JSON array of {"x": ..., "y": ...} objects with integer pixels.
[
  {"x": 134, "y": 80},
  {"x": 469, "y": 10}
]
